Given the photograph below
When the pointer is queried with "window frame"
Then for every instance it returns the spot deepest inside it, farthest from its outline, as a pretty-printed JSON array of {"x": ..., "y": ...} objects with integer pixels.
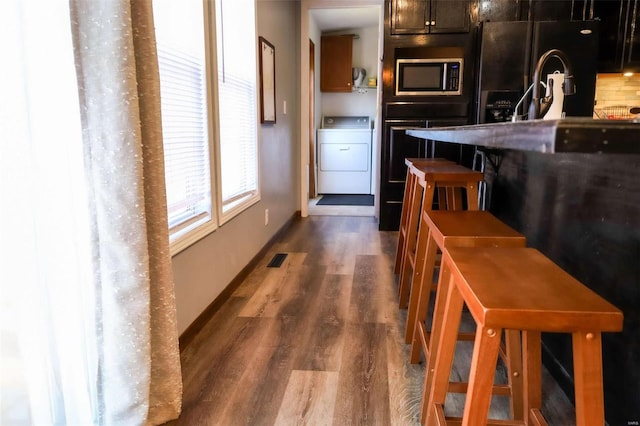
[
  {"x": 246, "y": 202},
  {"x": 220, "y": 214},
  {"x": 186, "y": 234}
]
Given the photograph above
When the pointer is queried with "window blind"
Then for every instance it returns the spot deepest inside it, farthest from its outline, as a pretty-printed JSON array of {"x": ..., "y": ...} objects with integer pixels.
[
  {"x": 181, "y": 61},
  {"x": 237, "y": 101}
]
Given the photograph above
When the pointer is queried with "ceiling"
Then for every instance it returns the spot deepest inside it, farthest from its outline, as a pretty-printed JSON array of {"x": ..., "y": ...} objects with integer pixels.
[{"x": 345, "y": 18}]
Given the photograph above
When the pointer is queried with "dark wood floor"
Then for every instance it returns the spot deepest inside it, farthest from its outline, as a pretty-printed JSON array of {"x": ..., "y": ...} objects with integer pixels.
[{"x": 318, "y": 340}]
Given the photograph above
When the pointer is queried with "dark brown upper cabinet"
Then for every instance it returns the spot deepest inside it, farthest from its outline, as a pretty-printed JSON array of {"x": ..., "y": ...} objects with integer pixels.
[
  {"x": 619, "y": 49},
  {"x": 499, "y": 10},
  {"x": 551, "y": 10},
  {"x": 335, "y": 63},
  {"x": 533, "y": 10},
  {"x": 429, "y": 16}
]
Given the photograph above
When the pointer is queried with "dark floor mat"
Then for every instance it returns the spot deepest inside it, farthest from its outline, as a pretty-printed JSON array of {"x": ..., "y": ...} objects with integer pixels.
[{"x": 346, "y": 200}]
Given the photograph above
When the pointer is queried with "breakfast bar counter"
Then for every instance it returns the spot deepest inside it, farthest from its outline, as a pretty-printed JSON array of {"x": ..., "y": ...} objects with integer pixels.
[
  {"x": 572, "y": 187},
  {"x": 575, "y": 134}
]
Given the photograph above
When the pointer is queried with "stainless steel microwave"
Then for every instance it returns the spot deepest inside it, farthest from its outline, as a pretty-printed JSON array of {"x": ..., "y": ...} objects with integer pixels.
[{"x": 429, "y": 77}]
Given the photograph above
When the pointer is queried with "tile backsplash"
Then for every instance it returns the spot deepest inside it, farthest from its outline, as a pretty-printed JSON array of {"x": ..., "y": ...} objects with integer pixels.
[{"x": 615, "y": 89}]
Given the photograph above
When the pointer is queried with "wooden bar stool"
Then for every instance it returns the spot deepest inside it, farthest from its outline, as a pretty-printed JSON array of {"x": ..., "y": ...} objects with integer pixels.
[
  {"x": 440, "y": 230},
  {"x": 411, "y": 202},
  {"x": 515, "y": 289},
  {"x": 452, "y": 177}
]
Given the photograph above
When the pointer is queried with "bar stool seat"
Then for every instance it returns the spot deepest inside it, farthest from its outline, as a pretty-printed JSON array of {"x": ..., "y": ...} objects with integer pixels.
[
  {"x": 517, "y": 289},
  {"x": 411, "y": 202},
  {"x": 452, "y": 178},
  {"x": 440, "y": 230}
]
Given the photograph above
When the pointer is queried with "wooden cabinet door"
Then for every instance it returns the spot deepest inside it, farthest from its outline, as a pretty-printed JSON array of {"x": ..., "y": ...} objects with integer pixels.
[
  {"x": 459, "y": 153},
  {"x": 499, "y": 11},
  {"x": 619, "y": 41},
  {"x": 429, "y": 16},
  {"x": 335, "y": 63},
  {"x": 611, "y": 36},
  {"x": 396, "y": 146},
  {"x": 449, "y": 16},
  {"x": 402, "y": 146},
  {"x": 631, "y": 59},
  {"x": 410, "y": 16},
  {"x": 552, "y": 10}
]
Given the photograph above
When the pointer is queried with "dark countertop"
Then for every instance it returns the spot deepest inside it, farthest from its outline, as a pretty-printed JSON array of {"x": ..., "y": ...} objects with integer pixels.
[{"x": 573, "y": 134}]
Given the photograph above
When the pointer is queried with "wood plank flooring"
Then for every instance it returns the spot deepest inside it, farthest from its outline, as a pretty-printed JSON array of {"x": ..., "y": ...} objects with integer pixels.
[{"x": 318, "y": 341}]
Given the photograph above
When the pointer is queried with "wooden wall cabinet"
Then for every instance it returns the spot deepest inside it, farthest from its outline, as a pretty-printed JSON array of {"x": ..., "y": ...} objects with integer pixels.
[
  {"x": 397, "y": 146},
  {"x": 499, "y": 11},
  {"x": 551, "y": 10},
  {"x": 409, "y": 33},
  {"x": 619, "y": 49},
  {"x": 336, "y": 63},
  {"x": 534, "y": 10},
  {"x": 429, "y": 16}
]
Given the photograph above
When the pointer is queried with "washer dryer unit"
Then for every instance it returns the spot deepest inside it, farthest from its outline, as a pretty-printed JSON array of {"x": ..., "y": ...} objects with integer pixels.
[{"x": 344, "y": 155}]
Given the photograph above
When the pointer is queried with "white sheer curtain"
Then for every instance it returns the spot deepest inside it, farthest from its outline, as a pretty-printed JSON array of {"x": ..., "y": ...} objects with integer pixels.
[
  {"x": 87, "y": 309},
  {"x": 48, "y": 339}
]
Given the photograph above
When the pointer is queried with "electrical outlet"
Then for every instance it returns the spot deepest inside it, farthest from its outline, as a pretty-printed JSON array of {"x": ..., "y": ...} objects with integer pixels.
[{"x": 266, "y": 217}]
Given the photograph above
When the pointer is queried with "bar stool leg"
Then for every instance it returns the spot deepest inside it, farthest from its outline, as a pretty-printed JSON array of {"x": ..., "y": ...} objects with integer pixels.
[
  {"x": 483, "y": 362},
  {"x": 454, "y": 199},
  {"x": 443, "y": 201},
  {"x": 513, "y": 358},
  {"x": 421, "y": 338},
  {"x": 587, "y": 371},
  {"x": 441, "y": 351},
  {"x": 404, "y": 219},
  {"x": 532, "y": 369},
  {"x": 425, "y": 261},
  {"x": 513, "y": 347},
  {"x": 419, "y": 199},
  {"x": 472, "y": 196}
]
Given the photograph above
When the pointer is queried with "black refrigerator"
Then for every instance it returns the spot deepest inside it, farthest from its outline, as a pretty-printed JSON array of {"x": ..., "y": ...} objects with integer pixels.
[{"x": 509, "y": 53}]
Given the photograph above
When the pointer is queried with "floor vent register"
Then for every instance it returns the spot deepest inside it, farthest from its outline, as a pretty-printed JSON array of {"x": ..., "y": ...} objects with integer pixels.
[{"x": 277, "y": 260}]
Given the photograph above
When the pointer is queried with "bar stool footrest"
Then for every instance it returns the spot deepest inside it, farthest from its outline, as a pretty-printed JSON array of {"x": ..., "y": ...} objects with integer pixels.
[
  {"x": 424, "y": 337},
  {"x": 425, "y": 340},
  {"x": 457, "y": 421},
  {"x": 441, "y": 420},
  {"x": 461, "y": 387},
  {"x": 403, "y": 296},
  {"x": 536, "y": 418}
]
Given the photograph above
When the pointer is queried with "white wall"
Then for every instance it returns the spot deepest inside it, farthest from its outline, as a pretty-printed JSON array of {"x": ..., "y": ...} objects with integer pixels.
[
  {"x": 365, "y": 55},
  {"x": 314, "y": 35},
  {"x": 202, "y": 271}
]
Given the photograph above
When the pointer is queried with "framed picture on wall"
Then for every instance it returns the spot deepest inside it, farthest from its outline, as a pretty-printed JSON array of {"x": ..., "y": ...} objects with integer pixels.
[{"x": 267, "y": 57}]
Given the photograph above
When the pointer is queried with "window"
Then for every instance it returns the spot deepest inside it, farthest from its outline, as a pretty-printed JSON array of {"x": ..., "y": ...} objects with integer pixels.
[
  {"x": 192, "y": 123},
  {"x": 180, "y": 36},
  {"x": 237, "y": 106}
]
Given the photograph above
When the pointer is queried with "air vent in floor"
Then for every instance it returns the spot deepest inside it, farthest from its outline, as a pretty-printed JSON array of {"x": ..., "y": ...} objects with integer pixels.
[{"x": 277, "y": 260}]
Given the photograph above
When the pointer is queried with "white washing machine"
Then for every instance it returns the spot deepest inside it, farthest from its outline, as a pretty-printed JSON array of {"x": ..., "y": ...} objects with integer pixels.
[{"x": 344, "y": 155}]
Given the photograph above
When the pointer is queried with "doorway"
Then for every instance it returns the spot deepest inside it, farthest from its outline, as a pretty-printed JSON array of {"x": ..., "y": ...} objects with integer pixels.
[{"x": 321, "y": 18}]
